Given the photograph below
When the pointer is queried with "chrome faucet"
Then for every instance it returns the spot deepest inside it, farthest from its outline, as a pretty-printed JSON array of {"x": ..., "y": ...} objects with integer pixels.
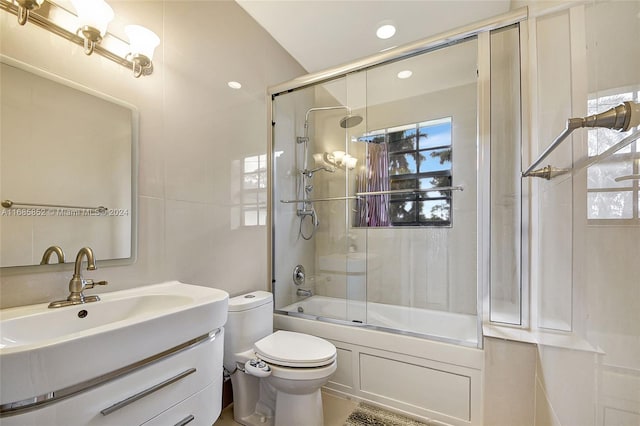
[
  {"x": 77, "y": 285},
  {"x": 303, "y": 293},
  {"x": 49, "y": 251}
]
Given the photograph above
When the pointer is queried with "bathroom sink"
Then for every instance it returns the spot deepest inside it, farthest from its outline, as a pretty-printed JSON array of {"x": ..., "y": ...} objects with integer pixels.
[
  {"x": 33, "y": 326},
  {"x": 43, "y": 350}
]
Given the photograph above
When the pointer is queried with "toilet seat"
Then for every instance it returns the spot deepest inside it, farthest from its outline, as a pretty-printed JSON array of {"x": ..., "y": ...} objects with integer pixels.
[
  {"x": 303, "y": 374},
  {"x": 295, "y": 350}
]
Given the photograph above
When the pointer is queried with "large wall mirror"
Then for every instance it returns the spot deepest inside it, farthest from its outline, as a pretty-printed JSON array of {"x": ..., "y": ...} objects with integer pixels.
[{"x": 68, "y": 168}]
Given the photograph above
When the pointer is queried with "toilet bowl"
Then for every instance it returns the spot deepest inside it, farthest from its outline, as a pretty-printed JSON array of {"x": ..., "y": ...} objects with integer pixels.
[{"x": 276, "y": 377}]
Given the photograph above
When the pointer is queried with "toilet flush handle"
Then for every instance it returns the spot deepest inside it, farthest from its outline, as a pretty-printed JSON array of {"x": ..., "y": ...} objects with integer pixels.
[{"x": 258, "y": 368}]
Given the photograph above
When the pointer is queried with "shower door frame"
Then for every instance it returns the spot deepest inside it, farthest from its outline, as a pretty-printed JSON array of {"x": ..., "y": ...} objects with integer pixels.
[{"x": 482, "y": 31}]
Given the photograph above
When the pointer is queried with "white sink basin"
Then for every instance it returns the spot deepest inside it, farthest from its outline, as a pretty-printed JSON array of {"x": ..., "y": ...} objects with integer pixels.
[{"x": 43, "y": 350}]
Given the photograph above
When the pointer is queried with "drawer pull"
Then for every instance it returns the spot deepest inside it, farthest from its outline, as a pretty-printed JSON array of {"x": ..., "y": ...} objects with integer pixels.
[
  {"x": 134, "y": 398},
  {"x": 186, "y": 420}
]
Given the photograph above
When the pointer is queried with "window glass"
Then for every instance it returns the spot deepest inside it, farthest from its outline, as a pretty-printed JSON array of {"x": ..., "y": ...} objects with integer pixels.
[
  {"x": 610, "y": 205},
  {"x": 254, "y": 194},
  {"x": 437, "y": 210},
  {"x": 401, "y": 164},
  {"x": 435, "y": 135},
  {"x": 609, "y": 200},
  {"x": 435, "y": 160}
]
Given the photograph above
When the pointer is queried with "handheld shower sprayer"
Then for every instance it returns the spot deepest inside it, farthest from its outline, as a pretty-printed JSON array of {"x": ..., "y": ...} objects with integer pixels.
[
  {"x": 309, "y": 173},
  {"x": 622, "y": 118}
]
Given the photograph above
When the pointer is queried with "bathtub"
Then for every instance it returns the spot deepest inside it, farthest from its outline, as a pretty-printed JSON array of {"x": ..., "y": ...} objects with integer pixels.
[
  {"x": 404, "y": 359},
  {"x": 439, "y": 325}
]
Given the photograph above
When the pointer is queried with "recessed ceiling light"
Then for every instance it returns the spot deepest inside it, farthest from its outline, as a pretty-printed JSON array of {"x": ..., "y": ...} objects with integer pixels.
[
  {"x": 385, "y": 31},
  {"x": 404, "y": 74},
  {"x": 234, "y": 85}
]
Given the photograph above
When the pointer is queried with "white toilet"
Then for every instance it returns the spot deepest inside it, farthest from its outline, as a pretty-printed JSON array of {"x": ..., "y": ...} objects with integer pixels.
[{"x": 276, "y": 377}]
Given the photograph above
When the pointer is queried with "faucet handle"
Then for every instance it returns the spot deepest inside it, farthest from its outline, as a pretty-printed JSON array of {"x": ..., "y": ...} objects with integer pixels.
[{"x": 91, "y": 283}]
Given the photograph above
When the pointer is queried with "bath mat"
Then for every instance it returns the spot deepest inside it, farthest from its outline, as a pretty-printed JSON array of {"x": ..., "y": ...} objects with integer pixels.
[{"x": 368, "y": 415}]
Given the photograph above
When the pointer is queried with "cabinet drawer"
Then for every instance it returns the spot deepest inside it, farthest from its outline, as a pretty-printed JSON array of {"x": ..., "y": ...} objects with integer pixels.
[
  {"x": 135, "y": 398},
  {"x": 201, "y": 409}
]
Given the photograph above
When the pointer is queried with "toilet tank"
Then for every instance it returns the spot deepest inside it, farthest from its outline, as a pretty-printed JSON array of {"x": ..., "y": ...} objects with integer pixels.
[{"x": 250, "y": 319}]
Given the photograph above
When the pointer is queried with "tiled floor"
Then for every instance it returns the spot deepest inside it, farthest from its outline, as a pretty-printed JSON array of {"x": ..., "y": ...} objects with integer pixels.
[{"x": 335, "y": 409}]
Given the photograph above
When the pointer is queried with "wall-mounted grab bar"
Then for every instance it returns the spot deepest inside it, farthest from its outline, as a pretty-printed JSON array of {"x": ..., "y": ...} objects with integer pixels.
[
  {"x": 622, "y": 118},
  {"x": 359, "y": 195},
  {"x": 9, "y": 204}
]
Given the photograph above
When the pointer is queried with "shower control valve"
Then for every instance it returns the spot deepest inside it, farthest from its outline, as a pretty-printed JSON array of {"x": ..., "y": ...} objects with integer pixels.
[
  {"x": 298, "y": 275},
  {"x": 257, "y": 368}
]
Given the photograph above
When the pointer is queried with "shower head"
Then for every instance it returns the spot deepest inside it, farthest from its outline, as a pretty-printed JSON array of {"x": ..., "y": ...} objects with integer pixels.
[
  {"x": 346, "y": 122},
  {"x": 350, "y": 121}
]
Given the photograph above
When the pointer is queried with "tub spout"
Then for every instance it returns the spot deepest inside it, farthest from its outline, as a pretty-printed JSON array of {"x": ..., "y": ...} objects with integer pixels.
[{"x": 303, "y": 293}]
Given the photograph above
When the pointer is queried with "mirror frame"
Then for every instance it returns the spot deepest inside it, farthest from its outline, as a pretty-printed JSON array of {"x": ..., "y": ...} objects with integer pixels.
[{"x": 135, "y": 130}]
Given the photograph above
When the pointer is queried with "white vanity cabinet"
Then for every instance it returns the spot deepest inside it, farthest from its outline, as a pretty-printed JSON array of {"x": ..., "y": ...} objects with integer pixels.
[{"x": 183, "y": 388}]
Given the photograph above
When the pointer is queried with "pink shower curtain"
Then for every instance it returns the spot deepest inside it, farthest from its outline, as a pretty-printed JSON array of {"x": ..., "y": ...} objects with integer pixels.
[{"x": 373, "y": 210}]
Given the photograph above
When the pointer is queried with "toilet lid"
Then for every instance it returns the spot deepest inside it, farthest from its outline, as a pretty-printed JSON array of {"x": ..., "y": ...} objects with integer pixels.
[{"x": 291, "y": 349}]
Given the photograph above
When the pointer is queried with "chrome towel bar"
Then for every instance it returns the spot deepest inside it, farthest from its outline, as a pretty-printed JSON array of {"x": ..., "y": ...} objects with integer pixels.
[
  {"x": 9, "y": 204},
  {"x": 359, "y": 195}
]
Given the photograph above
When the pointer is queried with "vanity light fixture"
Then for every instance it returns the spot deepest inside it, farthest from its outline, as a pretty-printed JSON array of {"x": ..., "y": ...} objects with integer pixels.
[
  {"x": 143, "y": 43},
  {"x": 93, "y": 18},
  {"x": 336, "y": 159},
  {"x": 24, "y": 7},
  {"x": 87, "y": 27}
]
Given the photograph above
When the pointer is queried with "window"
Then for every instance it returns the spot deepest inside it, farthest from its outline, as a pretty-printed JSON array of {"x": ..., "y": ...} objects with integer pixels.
[
  {"x": 254, "y": 191},
  {"x": 419, "y": 157},
  {"x": 609, "y": 201}
]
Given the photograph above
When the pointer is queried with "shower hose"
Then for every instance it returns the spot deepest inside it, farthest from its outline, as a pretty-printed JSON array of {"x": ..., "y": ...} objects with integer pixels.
[{"x": 314, "y": 221}]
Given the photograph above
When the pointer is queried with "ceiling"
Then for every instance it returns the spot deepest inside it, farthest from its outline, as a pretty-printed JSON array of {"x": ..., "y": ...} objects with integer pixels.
[{"x": 321, "y": 34}]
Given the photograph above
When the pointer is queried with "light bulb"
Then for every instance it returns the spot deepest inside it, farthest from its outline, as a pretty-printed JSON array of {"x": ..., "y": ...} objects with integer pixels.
[
  {"x": 350, "y": 162},
  {"x": 143, "y": 43},
  {"x": 142, "y": 40},
  {"x": 338, "y": 156},
  {"x": 93, "y": 19}
]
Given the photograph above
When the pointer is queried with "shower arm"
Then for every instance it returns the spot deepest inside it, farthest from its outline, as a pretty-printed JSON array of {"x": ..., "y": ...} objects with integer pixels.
[
  {"x": 305, "y": 138},
  {"x": 621, "y": 118},
  {"x": 306, "y": 117}
]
